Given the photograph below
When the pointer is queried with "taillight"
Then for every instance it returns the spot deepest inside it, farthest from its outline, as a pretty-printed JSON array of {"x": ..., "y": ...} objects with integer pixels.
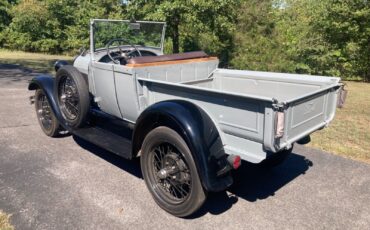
[
  {"x": 279, "y": 124},
  {"x": 234, "y": 161}
]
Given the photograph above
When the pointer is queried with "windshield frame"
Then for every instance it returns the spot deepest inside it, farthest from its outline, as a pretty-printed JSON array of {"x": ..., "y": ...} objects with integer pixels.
[{"x": 92, "y": 41}]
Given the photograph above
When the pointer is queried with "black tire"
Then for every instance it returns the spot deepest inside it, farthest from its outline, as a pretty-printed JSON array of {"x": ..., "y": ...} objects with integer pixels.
[
  {"x": 72, "y": 95},
  {"x": 179, "y": 192},
  {"x": 276, "y": 158},
  {"x": 45, "y": 115}
]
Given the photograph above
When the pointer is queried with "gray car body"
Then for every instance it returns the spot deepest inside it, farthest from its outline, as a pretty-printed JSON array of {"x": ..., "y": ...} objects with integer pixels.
[{"x": 247, "y": 107}]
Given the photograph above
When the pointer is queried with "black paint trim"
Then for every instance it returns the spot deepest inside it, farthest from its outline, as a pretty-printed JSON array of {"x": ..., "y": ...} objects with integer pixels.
[{"x": 59, "y": 64}]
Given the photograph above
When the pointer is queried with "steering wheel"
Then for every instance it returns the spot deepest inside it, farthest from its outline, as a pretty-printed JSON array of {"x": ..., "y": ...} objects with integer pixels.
[{"x": 123, "y": 54}]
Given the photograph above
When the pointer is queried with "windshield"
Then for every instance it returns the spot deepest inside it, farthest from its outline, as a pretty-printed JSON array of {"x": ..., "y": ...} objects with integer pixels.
[{"x": 149, "y": 34}]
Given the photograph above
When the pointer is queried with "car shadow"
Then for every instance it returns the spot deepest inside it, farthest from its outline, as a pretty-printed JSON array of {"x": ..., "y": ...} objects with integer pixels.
[
  {"x": 252, "y": 182},
  {"x": 130, "y": 166}
]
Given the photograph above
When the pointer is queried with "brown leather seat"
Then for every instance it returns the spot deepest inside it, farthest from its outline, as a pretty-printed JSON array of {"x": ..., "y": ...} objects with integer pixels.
[{"x": 167, "y": 57}]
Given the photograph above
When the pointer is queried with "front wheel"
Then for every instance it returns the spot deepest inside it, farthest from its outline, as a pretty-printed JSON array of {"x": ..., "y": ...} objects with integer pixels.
[
  {"x": 170, "y": 173},
  {"x": 45, "y": 116}
]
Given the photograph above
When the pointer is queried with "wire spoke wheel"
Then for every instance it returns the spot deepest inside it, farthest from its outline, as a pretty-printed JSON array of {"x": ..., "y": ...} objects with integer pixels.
[
  {"x": 170, "y": 172},
  {"x": 68, "y": 98},
  {"x": 72, "y": 94},
  {"x": 45, "y": 115},
  {"x": 44, "y": 112}
]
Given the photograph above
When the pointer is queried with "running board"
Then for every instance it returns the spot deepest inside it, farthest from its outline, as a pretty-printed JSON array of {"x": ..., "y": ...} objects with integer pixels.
[{"x": 105, "y": 139}]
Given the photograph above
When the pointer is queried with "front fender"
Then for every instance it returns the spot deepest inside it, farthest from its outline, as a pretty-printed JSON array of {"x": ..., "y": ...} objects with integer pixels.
[
  {"x": 46, "y": 83},
  {"x": 199, "y": 132}
]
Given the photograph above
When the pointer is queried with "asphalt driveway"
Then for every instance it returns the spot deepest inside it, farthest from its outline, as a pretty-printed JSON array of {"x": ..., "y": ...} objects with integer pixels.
[{"x": 66, "y": 183}]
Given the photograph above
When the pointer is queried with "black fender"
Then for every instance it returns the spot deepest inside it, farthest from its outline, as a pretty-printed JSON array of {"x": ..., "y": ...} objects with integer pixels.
[
  {"x": 46, "y": 83},
  {"x": 199, "y": 132},
  {"x": 59, "y": 64}
]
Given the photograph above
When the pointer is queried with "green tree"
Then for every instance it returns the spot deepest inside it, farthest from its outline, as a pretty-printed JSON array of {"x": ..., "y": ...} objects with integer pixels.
[
  {"x": 257, "y": 44},
  {"x": 192, "y": 24},
  {"x": 330, "y": 37},
  {"x": 78, "y": 32},
  {"x": 346, "y": 27},
  {"x": 55, "y": 26},
  {"x": 5, "y": 17},
  {"x": 325, "y": 37},
  {"x": 4, "y": 14},
  {"x": 32, "y": 28},
  {"x": 303, "y": 46}
]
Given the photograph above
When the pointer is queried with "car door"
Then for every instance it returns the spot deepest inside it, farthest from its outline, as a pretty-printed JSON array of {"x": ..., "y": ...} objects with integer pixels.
[
  {"x": 126, "y": 91},
  {"x": 104, "y": 88}
]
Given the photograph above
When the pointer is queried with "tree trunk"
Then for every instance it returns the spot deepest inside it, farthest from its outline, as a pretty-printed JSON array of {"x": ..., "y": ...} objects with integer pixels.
[
  {"x": 175, "y": 41},
  {"x": 175, "y": 33}
]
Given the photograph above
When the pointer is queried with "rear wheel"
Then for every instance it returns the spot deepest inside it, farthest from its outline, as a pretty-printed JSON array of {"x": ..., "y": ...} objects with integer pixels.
[
  {"x": 72, "y": 95},
  {"x": 170, "y": 174},
  {"x": 45, "y": 116}
]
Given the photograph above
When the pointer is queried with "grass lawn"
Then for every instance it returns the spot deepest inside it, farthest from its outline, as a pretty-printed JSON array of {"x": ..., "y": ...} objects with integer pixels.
[
  {"x": 4, "y": 221},
  {"x": 348, "y": 135}
]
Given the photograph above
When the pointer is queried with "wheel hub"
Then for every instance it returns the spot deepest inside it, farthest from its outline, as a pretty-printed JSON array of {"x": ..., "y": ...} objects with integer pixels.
[
  {"x": 174, "y": 169},
  {"x": 63, "y": 97},
  {"x": 170, "y": 163},
  {"x": 171, "y": 172},
  {"x": 164, "y": 173}
]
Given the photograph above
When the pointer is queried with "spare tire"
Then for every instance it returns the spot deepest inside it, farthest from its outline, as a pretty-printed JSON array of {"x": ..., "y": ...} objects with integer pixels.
[{"x": 72, "y": 94}]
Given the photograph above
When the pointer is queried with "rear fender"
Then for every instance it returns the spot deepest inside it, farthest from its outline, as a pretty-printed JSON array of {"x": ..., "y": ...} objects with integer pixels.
[{"x": 198, "y": 131}]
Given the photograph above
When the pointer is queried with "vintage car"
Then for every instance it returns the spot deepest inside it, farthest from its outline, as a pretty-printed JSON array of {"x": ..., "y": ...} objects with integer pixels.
[{"x": 190, "y": 122}]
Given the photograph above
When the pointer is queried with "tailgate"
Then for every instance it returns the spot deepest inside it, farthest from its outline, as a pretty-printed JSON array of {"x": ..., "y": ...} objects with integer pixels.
[{"x": 309, "y": 113}]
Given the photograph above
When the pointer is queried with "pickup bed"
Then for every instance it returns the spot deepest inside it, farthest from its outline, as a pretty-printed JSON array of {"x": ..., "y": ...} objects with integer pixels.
[{"x": 244, "y": 105}]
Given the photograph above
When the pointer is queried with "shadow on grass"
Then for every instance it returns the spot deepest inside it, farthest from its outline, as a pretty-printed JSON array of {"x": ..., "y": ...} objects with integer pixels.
[{"x": 251, "y": 182}]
